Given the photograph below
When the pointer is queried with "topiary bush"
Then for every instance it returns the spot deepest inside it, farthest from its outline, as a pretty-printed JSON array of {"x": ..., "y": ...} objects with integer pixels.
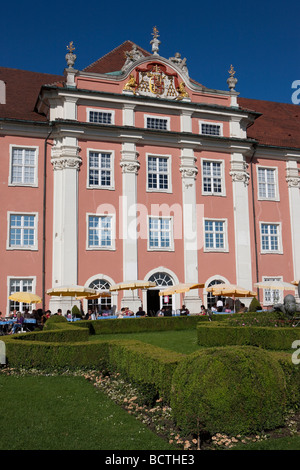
[
  {"x": 231, "y": 389},
  {"x": 254, "y": 305},
  {"x": 76, "y": 312},
  {"x": 54, "y": 319}
]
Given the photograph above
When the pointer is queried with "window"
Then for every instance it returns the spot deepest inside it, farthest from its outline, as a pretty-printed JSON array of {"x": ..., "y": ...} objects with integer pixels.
[
  {"x": 272, "y": 296},
  {"x": 158, "y": 172},
  {"x": 20, "y": 285},
  {"x": 270, "y": 234},
  {"x": 103, "y": 303},
  {"x": 22, "y": 231},
  {"x": 100, "y": 116},
  {"x": 101, "y": 232},
  {"x": 100, "y": 174},
  {"x": 160, "y": 233},
  {"x": 207, "y": 128},
  {"x": 23, "y": 166},
  {"x": 162, "y": 124},
  {"x": 215, "y": 235},
  {"x": 267, "y": 183},
  {"x": 212, "y": 178}
]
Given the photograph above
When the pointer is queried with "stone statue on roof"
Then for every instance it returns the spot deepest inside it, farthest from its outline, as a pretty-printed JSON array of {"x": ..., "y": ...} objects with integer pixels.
[
  {"x": 132, "y": 56},
  {"x": 181, "y": 63}
]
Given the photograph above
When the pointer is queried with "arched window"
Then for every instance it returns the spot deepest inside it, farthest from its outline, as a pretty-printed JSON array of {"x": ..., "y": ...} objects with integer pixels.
[
  {"x": 103, "y": 303},
  {"x": 161, "y": 279}
]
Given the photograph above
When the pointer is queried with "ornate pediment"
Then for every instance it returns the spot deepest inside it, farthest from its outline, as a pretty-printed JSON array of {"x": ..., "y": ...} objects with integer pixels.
[{"x": 156, "y": 80}]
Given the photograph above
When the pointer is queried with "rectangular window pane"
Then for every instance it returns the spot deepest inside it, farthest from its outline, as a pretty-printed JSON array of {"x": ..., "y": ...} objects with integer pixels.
[
  {"x": 212, "y": 177},
  {"x": 157, "y": 123},
  {"x": 23, "y": 163},
  {"x": 22, "y": 231},
  {"x": 210, "y": 129},
  {"x": 100, "y": 231},
  {"x": 214, "y": 234},
  {"x": 159, "y": 232},
  {"x": 100, "y": 117},
  {"x": 100, "y": 169},
  {"x": 158, "y": 173}
]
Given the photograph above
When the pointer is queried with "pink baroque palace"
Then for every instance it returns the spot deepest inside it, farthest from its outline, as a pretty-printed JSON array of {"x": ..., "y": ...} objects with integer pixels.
[{"x": 131, "y": 170}]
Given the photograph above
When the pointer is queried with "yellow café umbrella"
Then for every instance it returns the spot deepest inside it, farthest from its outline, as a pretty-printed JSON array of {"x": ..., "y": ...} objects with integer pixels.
[
  {"x": 101, "y": 293},
  {"x": 281, "y": 285},
  {"x": 230, "y": 290},
  {"x": 72, "y": 291},
  {"x": 180, "y": 288},
  {"x": 25, "y": 297},
  {"x": 132, "y": 285}
]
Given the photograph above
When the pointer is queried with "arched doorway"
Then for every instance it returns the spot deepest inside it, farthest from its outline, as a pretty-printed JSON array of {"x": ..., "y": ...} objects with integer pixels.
[{"x": 154, "y": 301}]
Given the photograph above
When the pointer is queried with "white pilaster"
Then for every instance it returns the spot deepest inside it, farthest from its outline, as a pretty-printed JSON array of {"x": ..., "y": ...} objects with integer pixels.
[
  {"x": 293, "y": 180},
  {"x": 240, "y": 181},
  {"x": 128, "y": 114},
  {"x": 190, "y": 237},
  {"x": 130, "y": 167},
  {"x": 66, "y": 163}
]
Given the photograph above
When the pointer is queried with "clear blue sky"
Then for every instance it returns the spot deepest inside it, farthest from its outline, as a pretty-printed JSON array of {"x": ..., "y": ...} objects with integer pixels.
[{"x": 260, "y": 38}]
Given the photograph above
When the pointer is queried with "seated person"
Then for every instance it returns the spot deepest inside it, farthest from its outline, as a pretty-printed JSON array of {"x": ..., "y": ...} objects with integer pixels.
[
  {"x": 140, "y": 312},
  {"x": 18, "y": 324},
  {"x": 168, "y": 312},
  {"x": 184, "y": 311},
  {"x": 128, "y": 313}
]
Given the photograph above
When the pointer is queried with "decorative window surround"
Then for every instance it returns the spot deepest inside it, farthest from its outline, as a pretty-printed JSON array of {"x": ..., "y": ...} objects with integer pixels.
[
  {"x": 100, "y": 116},
  {"x": 103, "y": 228},
  {"x": 162, "y": 229},
  {"x": 158, "y": 173},
  {"x": 23, "y": 165},
  {"x": 213, "y": 177},
  {"x": 211, "y": 128},
  {"x": 215, "y": 235},
  {"x": 157, "y": 122},
  {"x": 101, "y": 171},
  {"x": 267, "y": 184},
  {"x": 22, "y": 231},
  {"x": 270, "y": 238}
]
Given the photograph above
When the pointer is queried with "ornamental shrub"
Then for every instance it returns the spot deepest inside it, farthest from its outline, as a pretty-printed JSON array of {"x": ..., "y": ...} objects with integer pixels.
[
  {"x": 231, "y": 389},
  {"x": 254, "y": 305},
  {"x": 54, "y": 319},
  {"x": 76, "y": 312}
]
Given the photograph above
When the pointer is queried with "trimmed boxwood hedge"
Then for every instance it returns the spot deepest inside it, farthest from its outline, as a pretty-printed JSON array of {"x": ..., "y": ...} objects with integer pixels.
[
  {"x": 189, "y": 383},
  {"x": 272, "y": 338},
  {"x": 231, "y": 389}
]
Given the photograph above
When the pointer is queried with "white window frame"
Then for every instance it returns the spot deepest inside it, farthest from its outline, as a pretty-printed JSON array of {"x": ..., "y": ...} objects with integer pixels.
[
  {"x": 279, "y": 299},
  {"x": 33, "y": 247},
  {"x": 209, "y": 123},
  {"x": 97, "y": 110},
  {"x": 164, "y": 118},
  {"x": 160, "y": 248},
  {"x": 112, "y": 169},
  {"x": 225, "y": 248},
  {"x": 263, "y": 198},
  {"x": 223, "y": 188},
  {"x": 169, "y": 165},
  {"x": 21, "y": 278},
  {"x": 113, "y": 233},
  {"x": 10, "y": 175},
  {"x": 279, "y": 235}
]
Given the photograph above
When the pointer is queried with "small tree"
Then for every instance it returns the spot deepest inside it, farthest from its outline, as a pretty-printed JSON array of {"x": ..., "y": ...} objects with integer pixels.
[
  {"x": 254, "y": 305},
  {"x": 76, "y": 312}
]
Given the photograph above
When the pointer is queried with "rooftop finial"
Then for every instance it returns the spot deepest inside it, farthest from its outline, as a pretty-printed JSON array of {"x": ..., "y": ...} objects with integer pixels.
[
  {"x": 232, "y": 81},
  {"x": 70, "y": 57},
  {"x": 155, "y": 41}
]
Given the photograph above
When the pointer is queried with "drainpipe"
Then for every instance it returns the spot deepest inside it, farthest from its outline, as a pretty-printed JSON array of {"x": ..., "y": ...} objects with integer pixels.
[
  {"x": 254, "y": 217},
  {"x": 44, "y": 219}
]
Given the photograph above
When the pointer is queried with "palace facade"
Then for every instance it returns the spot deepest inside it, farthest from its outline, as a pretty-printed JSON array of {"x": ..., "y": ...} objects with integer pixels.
[{"x": 130, "y": 169}]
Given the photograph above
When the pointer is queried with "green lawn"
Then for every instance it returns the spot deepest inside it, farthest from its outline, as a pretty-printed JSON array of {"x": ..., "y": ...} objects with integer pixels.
[
  {"x": 67, "y": 413},
  {"x": 182, "y": 341}
]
